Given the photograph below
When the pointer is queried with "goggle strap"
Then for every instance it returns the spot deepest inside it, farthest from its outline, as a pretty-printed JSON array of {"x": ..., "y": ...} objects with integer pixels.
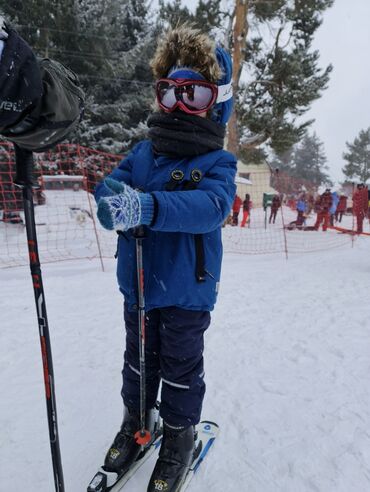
[{"x": 225, "y": 92}]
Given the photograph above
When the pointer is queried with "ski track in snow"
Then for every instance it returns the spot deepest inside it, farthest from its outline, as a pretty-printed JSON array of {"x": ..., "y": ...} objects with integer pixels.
[{"x": 287, "y": 369}]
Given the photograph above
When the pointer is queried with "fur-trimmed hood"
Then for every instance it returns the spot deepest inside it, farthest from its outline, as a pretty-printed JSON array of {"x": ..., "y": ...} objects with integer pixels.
[{"x": 186, "y": 46}]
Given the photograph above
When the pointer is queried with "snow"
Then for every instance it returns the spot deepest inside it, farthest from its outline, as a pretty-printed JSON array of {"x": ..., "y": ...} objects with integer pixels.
[
  {"x": 287, "y": 371},
  {"x": 241, "y": 180}
]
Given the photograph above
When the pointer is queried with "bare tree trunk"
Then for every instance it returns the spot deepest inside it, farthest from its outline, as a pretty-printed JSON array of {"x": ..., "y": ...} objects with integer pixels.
[{"x": 240, "y": 32}]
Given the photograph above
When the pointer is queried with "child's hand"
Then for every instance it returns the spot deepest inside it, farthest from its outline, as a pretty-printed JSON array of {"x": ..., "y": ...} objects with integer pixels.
[
  {"x": 120, "y": 211},
  {"x": 126, "y": 209}
]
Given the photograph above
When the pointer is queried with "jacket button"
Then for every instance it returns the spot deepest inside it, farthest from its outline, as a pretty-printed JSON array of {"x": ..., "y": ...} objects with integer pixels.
[{"x": 135, "y": 307}]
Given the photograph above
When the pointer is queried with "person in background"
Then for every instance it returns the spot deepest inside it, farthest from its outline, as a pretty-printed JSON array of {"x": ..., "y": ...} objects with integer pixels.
[
  {"x": 236, "y": 209},
  {"x": 275, "y": 205},
  {"x": 310, "y": 204},
  {"x": 341, "y": 208},
  {"x": 246, "y": 209},
  {"x": 333, "y": 208},
  {"x": 323, "y": 205},
  {"x": 360, "y": 205},
  {"x": 301, "y": 210}
]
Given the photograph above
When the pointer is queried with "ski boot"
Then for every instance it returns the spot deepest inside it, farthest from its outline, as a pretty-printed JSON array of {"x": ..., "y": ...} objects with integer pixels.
[
  {"x": 175, "y": 457},
  {"x": 124, "y": 450}
]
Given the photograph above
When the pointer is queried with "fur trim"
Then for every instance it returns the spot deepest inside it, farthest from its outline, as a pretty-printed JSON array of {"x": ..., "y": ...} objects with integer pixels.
[{"x": 186, "y": 46}]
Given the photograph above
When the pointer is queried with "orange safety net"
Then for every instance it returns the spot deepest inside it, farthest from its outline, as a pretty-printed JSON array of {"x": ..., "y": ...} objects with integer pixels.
[{"x": 267, "y": 217}]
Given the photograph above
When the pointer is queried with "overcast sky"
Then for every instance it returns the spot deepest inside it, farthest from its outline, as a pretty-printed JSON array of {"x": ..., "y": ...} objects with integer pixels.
[{"x": 344, "y": 109}]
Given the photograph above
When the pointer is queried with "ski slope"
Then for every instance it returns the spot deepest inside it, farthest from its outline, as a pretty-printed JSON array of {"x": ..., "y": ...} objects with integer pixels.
[{"x": 287, "y": 371}]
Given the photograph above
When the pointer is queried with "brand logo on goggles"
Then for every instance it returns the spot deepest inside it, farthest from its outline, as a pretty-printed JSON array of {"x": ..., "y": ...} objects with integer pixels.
[{"x": 192, "y": 96}]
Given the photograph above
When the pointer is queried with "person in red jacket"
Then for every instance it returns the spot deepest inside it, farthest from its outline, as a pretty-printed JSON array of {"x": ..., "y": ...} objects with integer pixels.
[
  {"x": 236, "y": 209},
  {"x": 323, "y": 204},
  {"x": 341, "y": 208},
  {"x": 246, "y": 209},
  {"x": 360, "y": 205}
]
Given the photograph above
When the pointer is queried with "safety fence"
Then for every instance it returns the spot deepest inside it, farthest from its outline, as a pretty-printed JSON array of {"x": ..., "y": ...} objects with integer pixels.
[{"x": 65, "y": 210}]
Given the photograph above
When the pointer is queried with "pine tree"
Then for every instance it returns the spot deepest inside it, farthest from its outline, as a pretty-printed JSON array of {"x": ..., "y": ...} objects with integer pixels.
[
  {"x": 207, "y": 14},
  {"x": 122, "y": 95},
  {"x": 358, "y": 158},
  {"x": 49, "y": 26},
  {"x": 305, "y": 161},
  {"x": 282, "y": 71},
  {"x": 310, "y": 162},
  {"x": 109, "y": 45},
  {"x": 276, "y": 74}
]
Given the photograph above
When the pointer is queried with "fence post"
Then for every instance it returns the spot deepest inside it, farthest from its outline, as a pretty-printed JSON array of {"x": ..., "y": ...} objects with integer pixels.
[{"x": 92, "y": 212}]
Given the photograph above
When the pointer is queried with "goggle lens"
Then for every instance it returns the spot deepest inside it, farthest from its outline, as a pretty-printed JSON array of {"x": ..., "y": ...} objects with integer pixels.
[
  {"x": 166, "y": 94},
  {"x": 197, "y": 96},
  {"x": 194, "y": 96}
]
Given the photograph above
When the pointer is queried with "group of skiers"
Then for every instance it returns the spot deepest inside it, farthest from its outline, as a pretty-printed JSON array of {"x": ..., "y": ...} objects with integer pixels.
[
  {"x": 330, "y": 208},
  {"x": 246, "y": 206}
]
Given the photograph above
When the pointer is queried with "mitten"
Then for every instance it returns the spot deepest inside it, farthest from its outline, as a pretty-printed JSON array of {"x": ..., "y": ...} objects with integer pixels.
[
  {"x": 111, "y": 187},
  {"x": 126, "y": 209}
]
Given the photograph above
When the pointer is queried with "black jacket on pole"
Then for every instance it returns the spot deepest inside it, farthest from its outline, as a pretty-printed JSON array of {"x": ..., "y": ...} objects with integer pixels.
[{"x": 40, "y": 99}]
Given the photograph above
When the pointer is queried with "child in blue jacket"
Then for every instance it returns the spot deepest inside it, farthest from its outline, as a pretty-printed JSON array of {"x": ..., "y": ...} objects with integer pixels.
[{"x": 179, "y": 184}]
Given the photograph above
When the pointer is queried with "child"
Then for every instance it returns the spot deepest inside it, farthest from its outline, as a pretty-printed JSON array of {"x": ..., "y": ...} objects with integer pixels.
[
  {"x": 186, "y": 183},
  {"x": 324, "y": 203}
]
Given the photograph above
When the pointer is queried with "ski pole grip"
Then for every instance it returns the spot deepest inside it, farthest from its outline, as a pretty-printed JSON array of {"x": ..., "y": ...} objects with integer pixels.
[
  {"x": 24, "y": 167},
  {"x": 139, "y": 232}
]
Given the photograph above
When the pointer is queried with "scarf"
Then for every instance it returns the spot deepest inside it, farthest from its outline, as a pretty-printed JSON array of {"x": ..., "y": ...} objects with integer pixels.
[{"x": 184, "y": 135}]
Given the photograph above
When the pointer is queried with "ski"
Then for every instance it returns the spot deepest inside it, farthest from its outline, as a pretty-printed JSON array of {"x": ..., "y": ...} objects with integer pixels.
[
  {"x": 104, "y": 481},
  {"x": 348, "y": 231},
  {"x": 207, "y": 434}
]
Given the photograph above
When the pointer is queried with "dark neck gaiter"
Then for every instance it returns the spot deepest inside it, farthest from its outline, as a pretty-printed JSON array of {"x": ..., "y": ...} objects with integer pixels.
[{"x": 181, "y": 135}]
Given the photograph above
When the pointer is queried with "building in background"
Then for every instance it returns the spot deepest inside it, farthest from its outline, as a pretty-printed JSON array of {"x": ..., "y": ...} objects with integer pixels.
[{"x": 258, "y": 182}]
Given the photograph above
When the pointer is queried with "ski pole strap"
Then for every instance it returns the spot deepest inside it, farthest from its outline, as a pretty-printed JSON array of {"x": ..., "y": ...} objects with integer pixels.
[
  {"x": 177, "y": 176},
  {"x": 200, "y": 272}
]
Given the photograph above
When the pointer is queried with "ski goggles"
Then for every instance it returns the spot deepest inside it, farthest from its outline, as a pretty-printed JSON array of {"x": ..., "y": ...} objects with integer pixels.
[{"x": 192, "y": 96}]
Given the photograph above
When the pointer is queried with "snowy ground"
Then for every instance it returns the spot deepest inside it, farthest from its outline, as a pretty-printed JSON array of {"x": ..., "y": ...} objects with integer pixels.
[{"x": 287, "y": 363}]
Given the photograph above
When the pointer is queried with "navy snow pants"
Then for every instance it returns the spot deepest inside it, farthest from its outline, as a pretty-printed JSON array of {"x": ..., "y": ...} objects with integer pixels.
[{"x": 174, "y": 353}]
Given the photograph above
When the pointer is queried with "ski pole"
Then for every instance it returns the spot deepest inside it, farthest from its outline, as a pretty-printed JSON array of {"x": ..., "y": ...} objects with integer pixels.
[
  {"x": 24, "y": 168},
  {"x": 142, "y": 436}
]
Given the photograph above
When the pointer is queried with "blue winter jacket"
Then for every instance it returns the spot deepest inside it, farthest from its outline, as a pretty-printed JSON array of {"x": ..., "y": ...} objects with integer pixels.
[
  {"x": 335, "y": 201},
  {"x": 301, "y": 206},
  {"x": 169, "y": 251}
]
